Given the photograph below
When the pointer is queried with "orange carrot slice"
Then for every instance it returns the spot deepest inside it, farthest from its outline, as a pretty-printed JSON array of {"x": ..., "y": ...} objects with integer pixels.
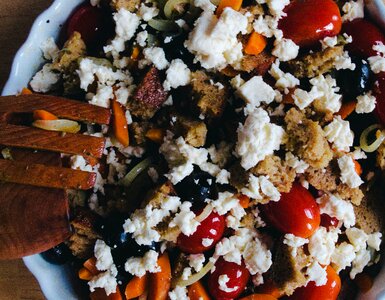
[
  {"x": 357, "y": 167},
  {"x": 119, "y": 124},
  {"x": 259, "y": 297},
  {"x": 136, "y": 287},
  {"x": 256, "y": 44},
  {"x": 234, "y": 4},
  {"x": 100, "y": 294},
  {"x": 244, "y": 201},
  {"x": 197, "y": 291},
  {"x": 90, "y": 265},
  {"x": 159, "y": 283},
  {"x": 41, "y": 114},
  {"x": 346, "y": 109},
  {"x": 26, "y": 91},
  {"x": 85, "y": 274},
  {"x": 156, "y": 135}
]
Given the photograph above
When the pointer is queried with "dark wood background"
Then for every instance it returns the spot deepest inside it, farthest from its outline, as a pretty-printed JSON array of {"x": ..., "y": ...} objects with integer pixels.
[{"x": 16, "y": 18}]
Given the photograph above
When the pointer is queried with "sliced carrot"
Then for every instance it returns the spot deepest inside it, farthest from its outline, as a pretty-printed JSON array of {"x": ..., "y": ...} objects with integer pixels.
[
  {"x": 136, "y": 287},
  {"x": 119, "y": 124},
  {"x": 256, "y": 44},
  {"x": 156, "y": 135},
  {"x": 346, "y": 109},
  {"x": 244, "y": 201},
  {"x": 234, "y": 4},
  {"x": 259, "y": 297},
  {"x": 90, "y": 265},
  {"x": 85, "y": 274},
  {"x": 41, "y": 114},
  {"x": 100, "y": 294},
  {"x": 197, "y": 291},
  {"x": 135, "y": 53},
  {"x": 159, "y": 283},
  {"x": 364, "y": 282},
  {"x": 26, "y": 91},
  {"x": 357, "y": 167}
]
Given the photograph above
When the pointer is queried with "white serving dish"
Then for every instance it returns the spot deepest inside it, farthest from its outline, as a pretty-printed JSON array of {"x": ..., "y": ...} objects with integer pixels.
[{"x": 56, "y": 281}]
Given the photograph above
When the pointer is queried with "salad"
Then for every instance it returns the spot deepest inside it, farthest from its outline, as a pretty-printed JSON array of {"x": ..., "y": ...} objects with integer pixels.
[{"x": 245, "y": 155}]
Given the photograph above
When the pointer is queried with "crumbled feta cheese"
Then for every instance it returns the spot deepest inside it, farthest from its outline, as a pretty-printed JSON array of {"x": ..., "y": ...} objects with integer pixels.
[
  {"x": 294, "y": 162},
  {"x": 257, "y": 138},
  {"x": 105, "y": 280},
  {"x": 303, "y": 99},
  {"x": 329, "y": 42},
  {"x": 147, "y": 13},
  {"x": 348, "y": 172},
  {"x": 103, "y": 256},
  {"x": 50, "y": 49},
  {"x": 237, "y": 81},
  {"x": 317, "y": 274},
  {"x": 103, "y": 96},
  {"x": 257, "y": 257},
  {"x": 285, "y": 49},
  {"x": 196, "y": 261},
  {"x": 185, "y": 219},
  {"x": 284, "y": 80},
  {"x": 205, "y": 5},
  {"x": 338, "y": 208},
  {"x": 222, "y": 282},
  {"x": 268, "y": 26},
  {"x": 141, "y": 38},
  {"x": 207, "y": 242},
  {"x": 142, "y": 222},
  {"x": 44, "y": 80},
  {"x": 186, "y": 273},
  {"x": 357, "y": 237},
  {"x": 156, "y": 56},
  {"x": 365, "y": 103},
  {"x": 256, "y": 91},
  {"x": 353, "y": 10},
  {"x": 138, "y": 266},
  {"x": 377, "y": 64},
  {"x": 358, "y": 154},
  {"x": 294, "y": 242},
  {"x": 374, "y": 240},
  {"x": 344, "y": 61},
  {"x": 179, "y": 293},
  {"x": 360, "y": 262},
  {"x": 339, "y": 134},
  {"x": 276, "y": 7},
  {"x": 214, "y": 41},
  {"x": 343, "y": 256},
  {"x": 322, "y": 244},
  {"x": 327, "y": 86},
  {"x": 225, "y": 202},
  {"x": 178, "y": 74}
]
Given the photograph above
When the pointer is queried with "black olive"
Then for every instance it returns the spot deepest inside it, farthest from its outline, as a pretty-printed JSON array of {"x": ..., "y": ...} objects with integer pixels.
[
  {"x": 58, "y": 255},
  {"x": 111, "y": 229},
  {"x": 176, "y": 49},
  {"x": 197, "y": 187},
  {"x": 355, "y": 82}
]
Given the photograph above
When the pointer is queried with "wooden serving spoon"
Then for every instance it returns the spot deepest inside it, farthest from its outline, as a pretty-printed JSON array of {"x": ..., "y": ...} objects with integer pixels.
[{"x": 34, "y": 212}]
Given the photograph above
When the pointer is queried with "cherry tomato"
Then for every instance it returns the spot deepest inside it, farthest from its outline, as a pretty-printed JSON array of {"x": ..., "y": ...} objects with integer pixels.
[
  {"x": 365, "y": 34},
  {"x": 238, "y": 276},
  {"x": 328, "y": 221},
  {"x": 329, "y": 291},
  {"x": 210, "y": 228},
  {"x": 309, "y": 21},
  {"x": 296, "y": 212},
  {"x": 88, "y": 21},
  {"x": 379, "y": 93}
]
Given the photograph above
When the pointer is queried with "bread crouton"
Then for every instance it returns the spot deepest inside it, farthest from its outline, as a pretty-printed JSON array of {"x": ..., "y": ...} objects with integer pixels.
[
  {"x": 194, "y": 132},
  {"x": 130, "y": 5},
  {"x": 306, "y": 139},
  {"x": 257, "y": 64}
]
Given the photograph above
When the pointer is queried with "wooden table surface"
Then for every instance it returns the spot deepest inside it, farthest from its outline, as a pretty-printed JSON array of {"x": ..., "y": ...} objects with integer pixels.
[{"x": 16, "y": 18}]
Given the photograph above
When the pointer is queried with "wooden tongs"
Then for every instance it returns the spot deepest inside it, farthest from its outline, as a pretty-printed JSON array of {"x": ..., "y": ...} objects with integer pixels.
[{"x": 33, "y": 205}]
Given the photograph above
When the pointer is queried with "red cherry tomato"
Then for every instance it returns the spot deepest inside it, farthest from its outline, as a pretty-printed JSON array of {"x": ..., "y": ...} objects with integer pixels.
[
  {"x": 365, "y": 34},
  {"x": 329, "y": 291},
  {"x": 210, "y": 228},
  {"x": 379, "y": 93},
  {"x": 296, "y": 212},
  {"x": 88, "y": 21},
  {"x": 308, "y": 21},
  {"x": 328, "y": 221},
  {"x": 238, "y": 277}
]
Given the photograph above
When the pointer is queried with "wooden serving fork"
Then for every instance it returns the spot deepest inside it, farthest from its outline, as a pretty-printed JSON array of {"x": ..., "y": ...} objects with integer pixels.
[{"x": 34, "y": 213}]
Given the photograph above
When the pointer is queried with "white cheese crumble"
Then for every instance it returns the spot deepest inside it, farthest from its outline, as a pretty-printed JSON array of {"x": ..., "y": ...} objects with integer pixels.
[
  {"x": 317, "y": 274},
  {"x": 294, "y": 162},
  {"x": 103, "y": 256},
  {"x": 257, "y": 138},
  {"x": 178, "y": 74},
  {"x": 156, "y": 56},
  {"x": 365, "y": 103},
  {"x": 303, "y": 99},
  {"x": 348, "y": 172},
  {"x": 50, "y": 49},
  {"x": 344, "y": 61},
  {"x": 322, "y": 244},
  {"x": 179, "y": 293},
  {"x": 214, "y": 41},
  {"x": 185, "y": 219},
  {"x": 339, "y": 134},
  {"x": 196, "y": 261},
  {"x": 377, "y": 63},
  {"x": 338, "y": 208},
  {"x": 285, "y": 49},
  {"x": 294, "y": 242},
  {"x": 147, "y": 13},
  {"x": 329, "y": 42},
  {"x": 353, "y": 10},
  {"x": 44, "y": 80},
  {"x": 256, "y": 91},
  {"x": 284, "y": 81},
  {"x": 327, "y": 86},
  {"x": 343, "y": 256},
  {"x": 141, "y": 38},
  {"x": 138, "y": 266},
  {"x": 222, "y": 282},
  {"x": 105, "y": 280}
]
